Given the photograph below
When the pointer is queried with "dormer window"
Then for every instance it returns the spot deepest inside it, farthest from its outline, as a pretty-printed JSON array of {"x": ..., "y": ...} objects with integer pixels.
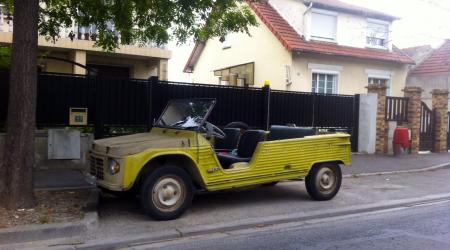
[
  {"x": 323, "y": 25},
  {"x": 377, "y": 34}
]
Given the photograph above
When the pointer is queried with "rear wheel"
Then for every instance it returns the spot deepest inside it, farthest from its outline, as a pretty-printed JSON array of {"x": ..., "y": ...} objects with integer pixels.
[
  {"x": 324, "y": 181},
  {"x": 167, "y": 193}
]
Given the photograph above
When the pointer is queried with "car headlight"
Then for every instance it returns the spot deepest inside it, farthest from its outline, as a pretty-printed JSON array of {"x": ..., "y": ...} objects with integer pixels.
[{"x": 114, "y": 167}]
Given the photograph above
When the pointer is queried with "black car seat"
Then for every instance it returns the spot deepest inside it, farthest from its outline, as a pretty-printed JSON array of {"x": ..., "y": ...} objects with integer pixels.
[
  {"x": 246, "y": 147},
  {"x": 284, "y": 132},
  {"x": 230, "y": 141}
]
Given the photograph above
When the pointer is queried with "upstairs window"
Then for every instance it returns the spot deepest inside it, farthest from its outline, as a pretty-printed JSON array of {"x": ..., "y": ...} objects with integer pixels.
[
  {"x": 323, "y": 25},
  {"x": 377, "y": 34}
]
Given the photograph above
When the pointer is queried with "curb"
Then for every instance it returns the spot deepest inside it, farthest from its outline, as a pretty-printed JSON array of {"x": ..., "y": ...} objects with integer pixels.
[
  {"x": 178, "y": 233},
  {"x": 23, "y": 234},
  {"x": 435, "y": 167}
]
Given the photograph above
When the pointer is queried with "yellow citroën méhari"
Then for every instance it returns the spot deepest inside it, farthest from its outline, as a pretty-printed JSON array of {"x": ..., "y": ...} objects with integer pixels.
[{"x": 167, "y": 165}]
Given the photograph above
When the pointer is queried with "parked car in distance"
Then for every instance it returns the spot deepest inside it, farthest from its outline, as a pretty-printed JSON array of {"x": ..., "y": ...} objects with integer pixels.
[{"x": 167, "y": 165}]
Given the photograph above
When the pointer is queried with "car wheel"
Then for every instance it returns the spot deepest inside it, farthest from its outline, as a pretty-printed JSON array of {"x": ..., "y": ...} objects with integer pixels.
[
  {"x": 324, "y": 181},
  {"x": 167, "y": 193}
]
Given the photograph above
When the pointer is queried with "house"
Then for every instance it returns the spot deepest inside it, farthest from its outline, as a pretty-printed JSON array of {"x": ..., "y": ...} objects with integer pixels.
[
  {"x": 433, "y": 72},
  {"x": 76, "y": 47},
  {"x": 324, "y": 46},
  {"x": 418, "y": 53}
]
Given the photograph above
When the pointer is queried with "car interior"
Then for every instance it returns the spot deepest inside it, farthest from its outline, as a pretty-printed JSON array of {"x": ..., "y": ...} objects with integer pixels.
[{"x": 237, "y": 147}]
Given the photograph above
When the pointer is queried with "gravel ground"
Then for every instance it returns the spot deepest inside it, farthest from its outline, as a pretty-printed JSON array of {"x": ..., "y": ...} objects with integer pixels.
[{"x": 52, "y": 207}]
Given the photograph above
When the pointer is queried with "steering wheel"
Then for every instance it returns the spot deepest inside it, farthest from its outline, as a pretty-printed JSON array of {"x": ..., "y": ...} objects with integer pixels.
[{"x": 213, "y": 130}]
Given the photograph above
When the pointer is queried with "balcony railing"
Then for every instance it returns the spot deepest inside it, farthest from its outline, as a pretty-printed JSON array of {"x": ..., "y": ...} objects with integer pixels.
[{"x": 73, "y": 33}]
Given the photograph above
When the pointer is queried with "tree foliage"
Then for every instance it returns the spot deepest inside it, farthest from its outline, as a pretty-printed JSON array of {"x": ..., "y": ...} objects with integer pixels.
[{"x": 145, "y": 21}]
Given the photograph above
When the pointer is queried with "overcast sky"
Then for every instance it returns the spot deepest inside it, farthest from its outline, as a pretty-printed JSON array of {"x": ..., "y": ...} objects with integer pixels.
[{"x": 421, "y": 22}]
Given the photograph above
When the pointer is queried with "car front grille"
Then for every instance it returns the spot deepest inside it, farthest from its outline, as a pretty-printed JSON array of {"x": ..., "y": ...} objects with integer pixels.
[{"x": 97, "y": 167}]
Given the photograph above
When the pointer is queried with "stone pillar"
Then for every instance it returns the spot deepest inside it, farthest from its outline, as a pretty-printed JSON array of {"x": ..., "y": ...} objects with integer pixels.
[
  {"x": 440, "y": 108},
  {"x": 381, "y": 139},
  {"x": 414, "y": 95},
  {"x": 79, "y": 56},
  {"x": 162, "y": 69}
]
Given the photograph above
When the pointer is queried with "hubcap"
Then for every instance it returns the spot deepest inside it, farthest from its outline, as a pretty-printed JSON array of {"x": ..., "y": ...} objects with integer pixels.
[
  {"x": 326, "y": 180},
  {"x": 168, "y": 194}
]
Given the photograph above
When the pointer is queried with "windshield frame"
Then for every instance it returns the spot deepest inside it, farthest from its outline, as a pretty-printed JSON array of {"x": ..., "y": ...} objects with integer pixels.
[{"x": 208, "y": 113}]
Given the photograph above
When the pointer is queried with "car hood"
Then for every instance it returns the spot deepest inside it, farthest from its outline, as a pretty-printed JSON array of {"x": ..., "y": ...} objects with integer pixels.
[{"x": 133, "y": 144}]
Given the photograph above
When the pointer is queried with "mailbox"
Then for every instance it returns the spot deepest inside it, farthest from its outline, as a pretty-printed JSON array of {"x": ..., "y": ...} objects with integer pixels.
[{"x": 78, "y": 117}]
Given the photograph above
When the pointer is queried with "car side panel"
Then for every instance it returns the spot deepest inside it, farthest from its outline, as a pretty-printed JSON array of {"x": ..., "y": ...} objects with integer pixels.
[{"x": 278, "y": 160}]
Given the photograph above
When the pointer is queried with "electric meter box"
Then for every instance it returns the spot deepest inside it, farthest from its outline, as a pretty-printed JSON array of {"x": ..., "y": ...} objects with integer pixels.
[{"x": 78, "y": 117}]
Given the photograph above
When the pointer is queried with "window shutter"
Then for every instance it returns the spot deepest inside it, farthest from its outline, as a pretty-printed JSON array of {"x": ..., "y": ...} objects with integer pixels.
[{"x": 323, "y": 26}]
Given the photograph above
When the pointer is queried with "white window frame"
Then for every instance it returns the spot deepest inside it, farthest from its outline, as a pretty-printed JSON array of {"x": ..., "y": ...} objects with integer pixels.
[
  {"x": 328, "y": 13},
  {"x": 335, "y": 87},
  {"x": 381, "y": 74},
  {"x": 376, "y": 21}
]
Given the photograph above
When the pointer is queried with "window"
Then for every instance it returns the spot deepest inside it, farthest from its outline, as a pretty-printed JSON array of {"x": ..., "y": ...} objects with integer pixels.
[
  {"x": 324, "y": 83},
  {"x": 238, "y": 75},
  {"x": 226, "y": 41},
  {"x": 377, "y": 34},
  {"x": 323, "y": 25},
  {"x": 386, "y": 81}
]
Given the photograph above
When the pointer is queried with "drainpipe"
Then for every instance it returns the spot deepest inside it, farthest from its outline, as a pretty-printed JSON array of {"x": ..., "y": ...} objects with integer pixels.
[{"x": 304, "y": 14}]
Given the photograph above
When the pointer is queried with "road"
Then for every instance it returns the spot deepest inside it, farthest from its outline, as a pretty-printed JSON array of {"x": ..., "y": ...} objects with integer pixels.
[{"x": 425, "y": 226}]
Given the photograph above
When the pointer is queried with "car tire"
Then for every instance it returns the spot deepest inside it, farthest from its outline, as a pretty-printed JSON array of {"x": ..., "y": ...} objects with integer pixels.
[
  {"x": 167, "y": 193},
  {"x": 323, "y": 181}
]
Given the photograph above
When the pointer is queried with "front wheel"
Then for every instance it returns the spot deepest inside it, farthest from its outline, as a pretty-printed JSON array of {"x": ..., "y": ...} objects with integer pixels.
[
  {"x": 167, "y": 193},
  {"x": 324, "y": 181}
]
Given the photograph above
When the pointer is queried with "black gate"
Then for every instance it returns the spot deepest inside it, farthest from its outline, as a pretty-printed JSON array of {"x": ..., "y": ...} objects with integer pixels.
[
  {"x": 426, "y": 128},
  {"x": 124, "y": 105}
]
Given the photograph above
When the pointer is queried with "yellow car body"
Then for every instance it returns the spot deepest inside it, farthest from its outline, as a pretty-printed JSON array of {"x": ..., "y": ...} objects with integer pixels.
[{"x": 272, "y": 161}]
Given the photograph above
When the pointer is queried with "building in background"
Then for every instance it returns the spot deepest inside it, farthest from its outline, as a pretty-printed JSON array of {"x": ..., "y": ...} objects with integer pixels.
[
  {"x": 433, "y": 72},
  {"x": 323, "y": 46},
  {"x": 76, "y": 46}
]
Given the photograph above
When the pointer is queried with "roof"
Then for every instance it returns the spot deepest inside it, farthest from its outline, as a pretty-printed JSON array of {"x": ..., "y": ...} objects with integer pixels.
[
  {"x": 293, "y": 42},
  {"x": 340, "y": 6},
  {"x": 437, "y": 63}
]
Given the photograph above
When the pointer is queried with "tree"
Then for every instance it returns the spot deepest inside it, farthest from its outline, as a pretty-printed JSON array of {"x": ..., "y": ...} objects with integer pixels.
[{"x": 135, "y": 21}]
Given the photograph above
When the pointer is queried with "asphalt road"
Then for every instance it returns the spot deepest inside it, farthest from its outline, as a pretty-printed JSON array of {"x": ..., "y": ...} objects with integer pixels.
[{"x": 425, "y": 226}]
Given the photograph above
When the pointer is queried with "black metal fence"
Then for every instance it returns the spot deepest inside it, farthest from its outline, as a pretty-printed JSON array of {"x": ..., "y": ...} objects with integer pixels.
[
  {"x": 397, "y": 109},
  {"x": 113, "y": 102}
]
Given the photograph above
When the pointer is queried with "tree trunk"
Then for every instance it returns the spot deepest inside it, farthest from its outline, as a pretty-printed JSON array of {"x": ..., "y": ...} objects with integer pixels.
[{"x": 16, "y": 173}]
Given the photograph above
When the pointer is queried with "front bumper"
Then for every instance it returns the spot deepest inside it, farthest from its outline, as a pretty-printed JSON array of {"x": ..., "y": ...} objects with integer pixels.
[{"x": 99, "y": 169}]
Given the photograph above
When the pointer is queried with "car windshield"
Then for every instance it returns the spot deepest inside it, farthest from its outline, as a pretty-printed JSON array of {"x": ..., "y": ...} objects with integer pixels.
[{"x": 185, "y": 113}]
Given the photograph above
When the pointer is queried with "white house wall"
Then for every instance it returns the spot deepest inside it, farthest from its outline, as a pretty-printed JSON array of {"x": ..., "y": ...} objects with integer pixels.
[
  {"x": 353, "y": 73},
  {"x": 292, "y": 11},
  {"x": 262, "y": 48}
]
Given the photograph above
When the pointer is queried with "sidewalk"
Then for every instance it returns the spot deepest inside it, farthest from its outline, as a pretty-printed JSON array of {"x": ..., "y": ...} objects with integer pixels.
[
  {"x": 70, "y": 178},
  {"x": 388, "y": 163}
]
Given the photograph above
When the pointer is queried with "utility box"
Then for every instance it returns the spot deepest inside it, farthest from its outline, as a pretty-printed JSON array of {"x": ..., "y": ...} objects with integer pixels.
[
  {"x": 64, "y": 144},
  {"x": 78, "y": 117}
]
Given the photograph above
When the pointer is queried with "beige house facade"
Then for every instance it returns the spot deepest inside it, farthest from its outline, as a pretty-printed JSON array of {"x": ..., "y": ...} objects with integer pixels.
[
  {"x": 76, "y": 47},
  {"x": 323, "y": 46}
]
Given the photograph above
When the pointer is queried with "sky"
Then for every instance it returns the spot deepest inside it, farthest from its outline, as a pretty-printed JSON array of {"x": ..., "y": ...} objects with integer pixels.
[{"x": 421, "y": 22}]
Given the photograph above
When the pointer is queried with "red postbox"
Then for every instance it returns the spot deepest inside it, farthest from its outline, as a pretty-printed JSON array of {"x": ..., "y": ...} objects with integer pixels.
[{"x": 400, "y": 141}]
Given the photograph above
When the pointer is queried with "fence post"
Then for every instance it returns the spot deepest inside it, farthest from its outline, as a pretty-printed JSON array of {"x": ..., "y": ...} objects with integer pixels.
[
  {"x": 266, "y": 105},
  {"x": 153, "y": 80},
  {"x": 440, "y": 108},
  {"x": 355, "y": 130},
  {"x": 99, "y": 129},
  {"x": 414, "y": 95},
  {"x": 381, "y": 138}
]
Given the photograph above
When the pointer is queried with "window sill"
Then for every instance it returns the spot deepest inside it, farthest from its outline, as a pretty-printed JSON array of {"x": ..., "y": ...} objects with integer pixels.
[
  {"x": 376, "y": 47},
  {"x": 321, "y": 39}
]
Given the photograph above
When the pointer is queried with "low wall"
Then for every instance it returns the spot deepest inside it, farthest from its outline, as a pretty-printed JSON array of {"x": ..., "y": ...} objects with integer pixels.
[{"x": 41, "y": 154}]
